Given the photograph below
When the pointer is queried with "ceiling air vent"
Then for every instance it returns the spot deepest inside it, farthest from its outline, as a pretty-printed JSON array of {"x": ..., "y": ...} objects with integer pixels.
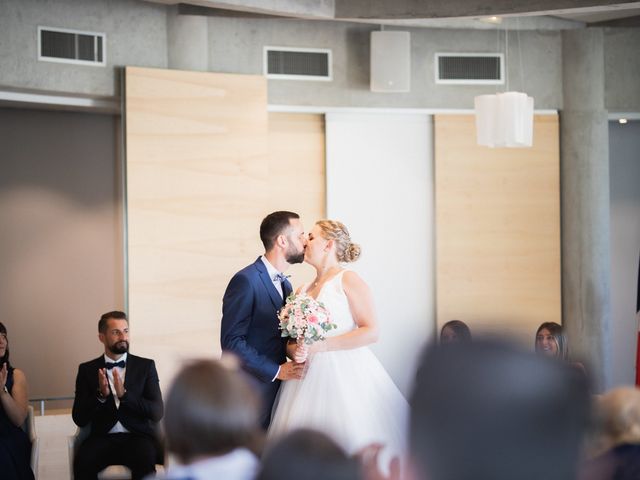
[
  {"x": 71, "y": 46},
  {"x": 469, "y": 68},
  {"x": 297, "y": 63}
]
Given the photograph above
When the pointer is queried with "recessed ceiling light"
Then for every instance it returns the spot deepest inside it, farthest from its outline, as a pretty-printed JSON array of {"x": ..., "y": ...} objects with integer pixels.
[
  {"x": 494, "y": 19},
  {"x": 622, "y": 121}
]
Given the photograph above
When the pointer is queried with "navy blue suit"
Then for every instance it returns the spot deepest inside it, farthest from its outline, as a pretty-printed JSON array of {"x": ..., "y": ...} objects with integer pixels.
[{"x": 250, "y": 329}]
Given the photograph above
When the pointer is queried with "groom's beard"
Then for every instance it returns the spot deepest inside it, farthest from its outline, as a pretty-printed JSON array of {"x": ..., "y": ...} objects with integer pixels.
[{"x": 293, "y": 256}]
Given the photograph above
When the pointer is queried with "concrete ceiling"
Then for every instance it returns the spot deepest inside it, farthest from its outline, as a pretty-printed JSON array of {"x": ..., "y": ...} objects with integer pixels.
[
  {"x": 606, "y": 15},
  {"x": 512, "y": 14}
]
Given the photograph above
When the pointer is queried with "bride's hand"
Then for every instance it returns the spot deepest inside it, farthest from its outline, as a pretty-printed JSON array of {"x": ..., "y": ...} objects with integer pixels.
[
  {"x": 301, "y": 353},
  {"x": 317, "y": 347}
]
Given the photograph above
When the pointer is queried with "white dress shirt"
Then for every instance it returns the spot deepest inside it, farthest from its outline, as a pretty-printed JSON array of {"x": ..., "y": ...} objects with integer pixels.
[
  {"x": 271, "y": 270},
  {"x": 118, "y": 427}
]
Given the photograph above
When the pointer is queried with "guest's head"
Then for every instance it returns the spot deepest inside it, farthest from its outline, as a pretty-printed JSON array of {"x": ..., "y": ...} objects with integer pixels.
[
  {"x": 331, "y": 238},
  {"x": 455, "y": 332},
  {"x": 210, "y": 411},
  {"x": 309, "y": 455},
  {"x": 4, "y": 346},
  {"x": 618, "y": 418},
  {"x": 551, "y": 341},
  {"x": 283, "y": 232},
  {"x": 113, "y": 332},
  {"x": 492, "y": 412}
]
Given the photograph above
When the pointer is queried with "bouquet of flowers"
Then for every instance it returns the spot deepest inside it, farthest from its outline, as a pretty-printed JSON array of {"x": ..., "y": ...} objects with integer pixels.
[{"x": 304, "y": 319}]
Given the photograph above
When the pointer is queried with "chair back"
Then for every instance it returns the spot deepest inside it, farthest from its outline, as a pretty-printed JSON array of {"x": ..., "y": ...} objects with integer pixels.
[{"x": 29, "y": 427}]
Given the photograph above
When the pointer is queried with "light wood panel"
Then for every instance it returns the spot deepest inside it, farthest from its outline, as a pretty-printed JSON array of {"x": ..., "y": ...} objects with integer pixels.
[
  {"x": 498, "y": 229},
  {"x": 205, "y": 164},
  {"x": 196, "y": 191},
  {"x": 297, "y": 175}
]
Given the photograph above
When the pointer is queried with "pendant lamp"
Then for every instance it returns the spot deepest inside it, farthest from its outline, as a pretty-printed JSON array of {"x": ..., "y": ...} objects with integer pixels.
[{"x": 504, "y": 119}]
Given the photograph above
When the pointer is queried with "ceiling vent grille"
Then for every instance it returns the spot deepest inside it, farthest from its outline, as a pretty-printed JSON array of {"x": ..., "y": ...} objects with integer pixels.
[
  {"x": 297, "y": 63},
  {"x": 469, "y": 68},
  {"x": 71, "y": 46}
]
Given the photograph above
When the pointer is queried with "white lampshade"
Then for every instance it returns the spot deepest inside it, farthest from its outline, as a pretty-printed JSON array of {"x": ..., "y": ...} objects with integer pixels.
[{"x": 504, "y": 120}]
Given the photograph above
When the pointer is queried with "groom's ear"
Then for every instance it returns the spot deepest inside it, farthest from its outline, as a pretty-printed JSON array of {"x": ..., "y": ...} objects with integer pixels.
[{"x": 281, "y": 241}]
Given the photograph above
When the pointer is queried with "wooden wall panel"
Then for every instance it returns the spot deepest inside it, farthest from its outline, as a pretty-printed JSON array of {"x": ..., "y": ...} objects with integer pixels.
[
  {"x": 498, "y": 229},
  {"x": 196, "y": 191},
  {"x": 205, "y": 164},
  {"x": 297, "y": 172}
]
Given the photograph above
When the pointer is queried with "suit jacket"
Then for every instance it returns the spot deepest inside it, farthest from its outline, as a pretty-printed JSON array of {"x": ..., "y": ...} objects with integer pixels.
[
  {"x": 250, "y": 324},
  {"x": 140, "y": 408}
]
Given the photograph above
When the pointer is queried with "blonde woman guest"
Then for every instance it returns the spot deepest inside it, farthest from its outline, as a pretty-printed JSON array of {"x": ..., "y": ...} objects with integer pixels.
[
  {"x": 617, "y": 437},
  {"x": 345, "y": 392}
]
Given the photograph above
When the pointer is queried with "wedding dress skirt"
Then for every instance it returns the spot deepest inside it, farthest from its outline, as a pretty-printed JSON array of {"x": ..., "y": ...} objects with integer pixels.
[{"x": 346, "y": 394}]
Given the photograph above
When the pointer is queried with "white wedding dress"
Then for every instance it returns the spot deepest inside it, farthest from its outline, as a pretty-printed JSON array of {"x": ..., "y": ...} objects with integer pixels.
[{"x": 344, "y": 393}]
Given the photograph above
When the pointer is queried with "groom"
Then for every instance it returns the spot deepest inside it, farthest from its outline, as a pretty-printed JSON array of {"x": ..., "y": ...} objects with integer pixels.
[{"x": 250, "y": 308}]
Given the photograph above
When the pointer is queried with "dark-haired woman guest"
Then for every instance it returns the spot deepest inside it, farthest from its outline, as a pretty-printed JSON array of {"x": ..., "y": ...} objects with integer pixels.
[
  {"x": 211, "y": 423},
  {"x": 15, "y": 447},
  {"x": 454, "y": 332},
  {"x": 551, "y": 341},
  {"x": 307, "y": 455}
]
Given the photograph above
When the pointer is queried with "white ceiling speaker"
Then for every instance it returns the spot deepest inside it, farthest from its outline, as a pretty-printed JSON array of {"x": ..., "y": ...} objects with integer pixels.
[{"x": 390, "y": 61}]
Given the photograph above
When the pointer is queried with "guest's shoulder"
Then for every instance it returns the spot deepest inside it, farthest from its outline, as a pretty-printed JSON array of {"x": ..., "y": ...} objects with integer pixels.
[
  {"x": 18, "y": 375},
  {"x": 139, "y": 360},
  {"x": 92, "y": 363}
]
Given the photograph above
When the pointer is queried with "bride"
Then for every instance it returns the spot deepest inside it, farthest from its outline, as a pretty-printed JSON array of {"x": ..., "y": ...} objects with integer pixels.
[{"x": 345, "y": 391}]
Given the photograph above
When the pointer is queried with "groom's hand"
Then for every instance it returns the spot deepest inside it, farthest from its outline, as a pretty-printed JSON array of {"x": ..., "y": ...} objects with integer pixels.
[{"x": 291, "y": 371}]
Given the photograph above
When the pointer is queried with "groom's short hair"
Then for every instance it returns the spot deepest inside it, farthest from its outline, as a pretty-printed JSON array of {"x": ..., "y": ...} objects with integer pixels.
[
  {"x": 273, "y": 225},
  {"x": 490, "y": 411}
]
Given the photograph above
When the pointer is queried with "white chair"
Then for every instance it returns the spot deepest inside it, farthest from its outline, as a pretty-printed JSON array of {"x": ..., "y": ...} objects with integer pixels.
[{"x": 29, "y": 426}]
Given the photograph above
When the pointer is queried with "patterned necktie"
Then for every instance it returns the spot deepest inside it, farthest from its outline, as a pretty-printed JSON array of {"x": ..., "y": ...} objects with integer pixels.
[
  {"x": 284, "y": 284},
  {"x": 281, "y": 277}
]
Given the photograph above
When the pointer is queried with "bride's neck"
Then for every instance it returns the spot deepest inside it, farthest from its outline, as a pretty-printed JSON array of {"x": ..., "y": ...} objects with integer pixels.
[{"x": 326, "y": 269}]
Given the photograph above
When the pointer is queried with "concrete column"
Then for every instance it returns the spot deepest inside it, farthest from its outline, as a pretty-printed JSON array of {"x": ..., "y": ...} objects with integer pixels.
[
  {"x": 584, "y": 151},
  {"x": 187, "y": 41}
]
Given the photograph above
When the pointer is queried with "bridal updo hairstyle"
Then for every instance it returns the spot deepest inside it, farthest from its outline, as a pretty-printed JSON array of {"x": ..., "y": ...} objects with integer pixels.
[{"x": 346, "y": 250}]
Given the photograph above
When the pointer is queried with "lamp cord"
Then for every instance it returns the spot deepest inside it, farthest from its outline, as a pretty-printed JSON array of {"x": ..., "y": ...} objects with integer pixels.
[
  {"x": 520, "y": 55},
  {"x": 500, "y": 66},
  {"x": 506, "y": 55}
]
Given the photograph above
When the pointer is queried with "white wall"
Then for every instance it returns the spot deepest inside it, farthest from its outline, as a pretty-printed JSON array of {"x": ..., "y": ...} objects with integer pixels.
[
  {"x": 624, "y": 174},
  {"x": 380, "y": 184}
]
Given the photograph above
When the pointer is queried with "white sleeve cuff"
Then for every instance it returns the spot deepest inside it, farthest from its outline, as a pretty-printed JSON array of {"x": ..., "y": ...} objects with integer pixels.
[{"x": 277, "y": 373}]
